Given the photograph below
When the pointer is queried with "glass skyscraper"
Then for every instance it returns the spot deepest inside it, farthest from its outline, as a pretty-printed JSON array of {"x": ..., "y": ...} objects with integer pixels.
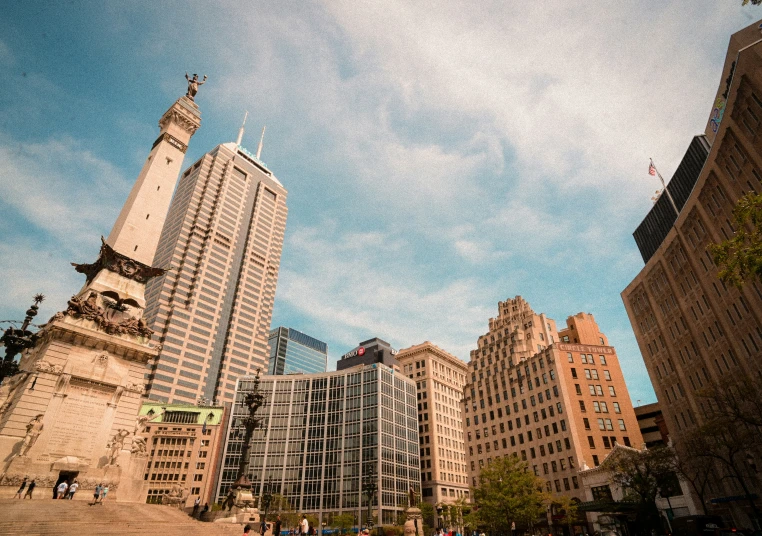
[
  {"x": 324, "y": 434},
  {"x": 293, "y": 351}
]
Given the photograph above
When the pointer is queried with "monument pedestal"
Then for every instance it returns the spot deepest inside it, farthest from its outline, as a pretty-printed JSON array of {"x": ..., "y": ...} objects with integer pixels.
[
  {"x": 72, "y": 413},
  {"x": 414, "y": 524}
]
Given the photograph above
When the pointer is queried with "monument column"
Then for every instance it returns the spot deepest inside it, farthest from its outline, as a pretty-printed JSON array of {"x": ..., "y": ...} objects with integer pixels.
[{"x": 72, "y": 408}]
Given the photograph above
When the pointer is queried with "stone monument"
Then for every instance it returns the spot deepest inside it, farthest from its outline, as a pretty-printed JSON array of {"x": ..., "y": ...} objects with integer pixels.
[
  {"x": 70, "y": 411},
  {"x": 414, "y": 524}
]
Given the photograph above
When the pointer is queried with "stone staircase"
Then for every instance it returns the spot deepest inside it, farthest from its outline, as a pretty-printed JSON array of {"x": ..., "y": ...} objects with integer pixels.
[{"x": 77, "y": 518}]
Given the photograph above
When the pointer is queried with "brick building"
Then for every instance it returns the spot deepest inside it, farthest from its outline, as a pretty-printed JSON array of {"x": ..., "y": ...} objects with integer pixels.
[
  {"x": 693, "y": 330},
  {"x": 184, "y": 444},
  {"x": 439, "y": 378},
  {"x": 560, "y": 406}
]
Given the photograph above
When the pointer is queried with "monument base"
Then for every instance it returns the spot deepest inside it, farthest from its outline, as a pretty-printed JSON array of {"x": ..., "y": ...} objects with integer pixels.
[
  {"x": 414, "y": 524},
  {"x": 242, "y": 516}
]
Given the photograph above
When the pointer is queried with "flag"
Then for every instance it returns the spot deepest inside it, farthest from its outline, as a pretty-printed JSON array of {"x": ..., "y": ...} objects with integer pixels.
[{"x": 651, "y": 169}]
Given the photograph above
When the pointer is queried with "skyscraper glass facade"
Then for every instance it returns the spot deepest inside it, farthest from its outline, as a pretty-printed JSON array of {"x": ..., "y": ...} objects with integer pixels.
[
  {"x": 293, "y": 351},
  {"x": 324, "y": 434}
]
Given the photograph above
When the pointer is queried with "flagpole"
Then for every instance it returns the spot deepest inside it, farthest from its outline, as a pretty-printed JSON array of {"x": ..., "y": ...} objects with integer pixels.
[{"x": 677, "y": 212}]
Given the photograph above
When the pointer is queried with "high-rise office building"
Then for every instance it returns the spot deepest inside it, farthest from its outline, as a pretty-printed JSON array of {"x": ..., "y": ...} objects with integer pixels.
[
  {"x": 223, "y": 238},
  {"x": 559, "y": 406},
  {"x": 693, "y": 330},
  {"x": 371, "y": 351},
  {"x": 293, "y": 351},
  {"x": 324, "y": 435},
  {"x": 439, "y": 379}
]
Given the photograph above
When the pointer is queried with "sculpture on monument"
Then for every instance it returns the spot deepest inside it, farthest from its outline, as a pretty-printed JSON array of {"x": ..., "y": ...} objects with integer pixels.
[
  {"x": 33, "y": 431},
  {"x": 115, "y": 446},
  {"x": 193, "y": 84},
  {"x": 8, "y": 387}
]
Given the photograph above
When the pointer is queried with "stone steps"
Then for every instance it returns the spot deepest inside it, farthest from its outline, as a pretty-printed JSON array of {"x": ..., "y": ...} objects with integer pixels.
[{"x": 77, "y": 518}]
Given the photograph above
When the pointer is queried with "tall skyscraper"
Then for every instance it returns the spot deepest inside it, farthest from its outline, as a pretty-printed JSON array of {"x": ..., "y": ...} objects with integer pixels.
[
  {"x": 439, "y": 379},
  {"x": 211, "y": 312},
  {"x": 558, "y": 406},
  {"x": 694, "y": 331},
  {"x": 293, "y": 351},
  {"x": 324, "y": 435}
]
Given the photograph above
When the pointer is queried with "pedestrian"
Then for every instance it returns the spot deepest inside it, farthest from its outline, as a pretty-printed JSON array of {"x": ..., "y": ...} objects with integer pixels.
[
  {"x": 206, "y": 508},
  {"x": 513, "y": 528},
  {"x": 276, "y": 529},
  {"x": 246, "y": 529},
  {"x": 97, "y": 493},
  {"x": 105, "y": 492},
  {"x": 73, "y": 489},
  {"x": 305, "y": 525},
  {"x": 21, "y": 489},
  {"x": 61, "y": 490},
  {"x": 263, "y": 527},
  {"x": 196, "y": 505},
  {"x": 30, "y": 489}
]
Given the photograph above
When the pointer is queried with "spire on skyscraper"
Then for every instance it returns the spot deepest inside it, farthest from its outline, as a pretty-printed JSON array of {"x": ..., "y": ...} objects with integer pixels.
[
  {"x": 261, "y": 141},
  {"x": 242, "y": 130}
]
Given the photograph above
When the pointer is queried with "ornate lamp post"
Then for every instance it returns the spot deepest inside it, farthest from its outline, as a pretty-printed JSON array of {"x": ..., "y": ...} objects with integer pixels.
[
  {"x": 267, "y": 497},
  {"x": 240, "y": 491},
  {"x": 369, "y": 488},
  {"x": 18, "y": 340}
]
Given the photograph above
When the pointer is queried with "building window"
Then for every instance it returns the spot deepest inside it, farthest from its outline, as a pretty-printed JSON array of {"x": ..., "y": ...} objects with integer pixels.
[{"x": 621, "y": 424}]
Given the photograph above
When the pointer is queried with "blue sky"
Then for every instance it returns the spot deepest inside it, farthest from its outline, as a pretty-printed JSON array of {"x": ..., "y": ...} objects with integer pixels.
[{"x": 439, "y": 156}]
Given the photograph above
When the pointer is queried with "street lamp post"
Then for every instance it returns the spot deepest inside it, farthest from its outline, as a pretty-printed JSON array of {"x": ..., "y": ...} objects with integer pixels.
[
  {"x": 267, "y": 498},
  {"x": 253, "y": 400},
  {"x": 369, "y": 489},
  {"x": 18, "y": 340}
]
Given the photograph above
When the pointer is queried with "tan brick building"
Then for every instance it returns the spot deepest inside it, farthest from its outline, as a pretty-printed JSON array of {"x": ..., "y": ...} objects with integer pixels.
[
  {"x": 184, "y": 444},
  {"x": 560, "y": 406},
  {"x": 693, "y": 330},
  {"x": 439, "y": 379}
]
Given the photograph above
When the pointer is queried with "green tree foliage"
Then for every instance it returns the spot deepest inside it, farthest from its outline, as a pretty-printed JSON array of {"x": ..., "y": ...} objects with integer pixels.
[
  {"x": 507, "y": 492},
  {"x": 739, "y": 258},
  {"x": 281, "y": 506},
  {"x": 567, "y": 507},
  {"x": 642, "y": 475},
  {"x": 343, "y": 522},
  {"x": 428, "y": 513},
  {"x": 753, "y": 2}
]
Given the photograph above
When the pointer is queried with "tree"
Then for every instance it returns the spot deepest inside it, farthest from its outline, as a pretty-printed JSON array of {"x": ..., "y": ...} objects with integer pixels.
[
  {"x": 643, "y": 475},
  {"x": 428, "y": 513},
  {"x": 281, "y": 506},
  {"x": 507, "y": 492},
  {"x": 567, "y": 507},
  {"x": 754, "y": 2},
  {"x": 739, "y": 258},
  {"x": 690, "y": 466},
  {"x": 344, "y": 521},
  {"x": 737, "y": 399}
]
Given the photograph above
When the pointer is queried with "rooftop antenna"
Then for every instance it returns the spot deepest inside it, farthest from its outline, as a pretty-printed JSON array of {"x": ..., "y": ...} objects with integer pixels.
[
  {"x": 261, "y": 141},
  {"x": 241, "y": 130}
]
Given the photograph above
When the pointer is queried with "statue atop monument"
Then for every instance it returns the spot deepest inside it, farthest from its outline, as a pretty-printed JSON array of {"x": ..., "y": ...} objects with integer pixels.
[{"x": 193, "y": 84}]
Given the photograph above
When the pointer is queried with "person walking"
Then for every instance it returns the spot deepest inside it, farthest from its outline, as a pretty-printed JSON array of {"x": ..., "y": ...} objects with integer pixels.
[
  {"x": 73, "y": 489},
  {"x": 196, "y": 505},
  {"x": 30, "y": 489},
  {"x": 21, "y": 489},
  {"x": 97, "y": 493},
  {"x": 305, "y": 525},
  {"x": 246, "y": 530},
  {"x": 104, "y": 493},
  {"x": 263, "y": 527},
  {"x": 61, "y": 490},
  {"x": 276, "y": 528}
]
